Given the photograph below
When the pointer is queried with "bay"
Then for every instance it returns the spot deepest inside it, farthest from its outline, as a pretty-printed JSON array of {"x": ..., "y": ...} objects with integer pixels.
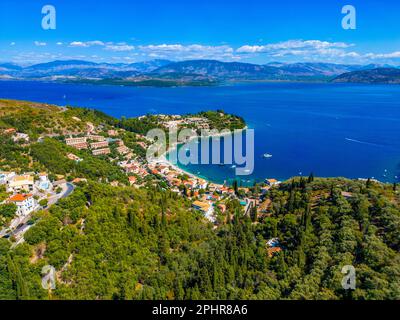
[{"x": 332, "y": 130}]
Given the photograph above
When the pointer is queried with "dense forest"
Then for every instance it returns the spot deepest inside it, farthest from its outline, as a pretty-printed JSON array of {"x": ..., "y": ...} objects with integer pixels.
[
  {"x": 121, "y": 243},
  {"x": 37, "y": 118},
  {"x": 220, "y": 120}
]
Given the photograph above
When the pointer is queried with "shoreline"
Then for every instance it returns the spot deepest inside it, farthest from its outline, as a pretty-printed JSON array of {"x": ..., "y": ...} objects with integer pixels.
[{"x": 164, "y": 160}]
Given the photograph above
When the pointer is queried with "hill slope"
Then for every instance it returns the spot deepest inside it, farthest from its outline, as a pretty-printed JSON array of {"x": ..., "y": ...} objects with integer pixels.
[
  {"x": 148, "y": 244},
  {"x": 41, "y": 118},
  {"x": 378, "y": 75},
  {"x": 246, "y": 71}
]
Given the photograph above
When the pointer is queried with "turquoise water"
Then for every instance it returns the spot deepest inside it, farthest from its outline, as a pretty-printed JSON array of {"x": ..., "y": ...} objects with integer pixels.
[{"x": 328, "y": 129}]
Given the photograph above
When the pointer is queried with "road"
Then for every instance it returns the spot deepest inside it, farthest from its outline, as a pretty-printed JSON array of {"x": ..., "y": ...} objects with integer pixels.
[
  {"x": 24, "y": 226},
  {"x": 19, "y": 234},
  {"x": 67, "y": 189},
  {"x": 70, "y": 189}
]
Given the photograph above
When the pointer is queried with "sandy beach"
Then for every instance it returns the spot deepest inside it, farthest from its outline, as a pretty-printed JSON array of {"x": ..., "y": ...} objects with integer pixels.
[{"x": 163, "y": 158}]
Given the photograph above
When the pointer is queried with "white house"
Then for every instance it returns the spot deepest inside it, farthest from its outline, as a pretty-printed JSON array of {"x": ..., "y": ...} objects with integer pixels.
[
  {"x": 5, "y": 177},
  {"x": 272, "y": 243},
  {"x": 202, "y": 184},
  {"x": 21, "y": 183},
  {"x": 272, "y": 182},
  {"x": 44, "y": 182},
  {"x": 25, "y": 203},
  {"x": 20, "y": 136}
]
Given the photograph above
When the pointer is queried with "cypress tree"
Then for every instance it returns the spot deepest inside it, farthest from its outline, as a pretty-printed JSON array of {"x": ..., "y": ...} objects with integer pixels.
[
  {"x": 235, "y": 187},
  {"x": 253, "y": 213}
]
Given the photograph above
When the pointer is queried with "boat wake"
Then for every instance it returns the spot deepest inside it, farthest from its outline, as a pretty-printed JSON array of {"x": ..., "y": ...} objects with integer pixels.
[{"x": 363, "y": 142}]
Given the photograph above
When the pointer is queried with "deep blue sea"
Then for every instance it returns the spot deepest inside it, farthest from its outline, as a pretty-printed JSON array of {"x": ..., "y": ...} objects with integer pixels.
[{"x": 329, "y": 129}]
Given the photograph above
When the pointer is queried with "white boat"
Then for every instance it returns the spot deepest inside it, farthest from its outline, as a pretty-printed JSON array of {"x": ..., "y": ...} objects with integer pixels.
[{"x": 267, "y": 155}]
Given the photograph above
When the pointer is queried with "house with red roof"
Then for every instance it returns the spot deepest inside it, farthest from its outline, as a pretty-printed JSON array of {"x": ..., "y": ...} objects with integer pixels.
[
  {"x": 132, "y": 180},
  {"x": 25, "y": 203},
  {"x": 273, "y": 251}
]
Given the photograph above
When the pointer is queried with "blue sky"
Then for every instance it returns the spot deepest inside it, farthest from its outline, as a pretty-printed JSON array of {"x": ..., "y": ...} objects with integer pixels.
[{"x": 257, "y": 31}]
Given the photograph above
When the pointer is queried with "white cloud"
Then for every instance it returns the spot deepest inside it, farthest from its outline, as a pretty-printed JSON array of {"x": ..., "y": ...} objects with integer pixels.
[
  {"x": 120, "y": 47},
  {"x": 40, "y": 44},
  {"x": 95, "y": 43},
  {"x": 86, "y": 44},
  {"x": 293, "y": 45},
  {"x": 111, "y": 46},
  {"x": 391, "y": 55},
  {"x": 305, "y": 50},
  {"x": 285, "y": 51},
  {"x": 250, "y": 49},
  {"x": 193, "y": 51},
  {"x": 77, "y": 44}
]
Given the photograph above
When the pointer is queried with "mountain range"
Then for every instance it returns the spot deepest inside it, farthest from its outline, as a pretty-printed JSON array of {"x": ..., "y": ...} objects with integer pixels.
[
  {"x": 377, "y": 75},
  {"x": 193, "y": 72}
]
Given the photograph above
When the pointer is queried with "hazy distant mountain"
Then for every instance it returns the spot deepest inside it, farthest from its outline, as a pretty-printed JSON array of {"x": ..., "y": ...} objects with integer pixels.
[
  {"x": 67, "y": 69},
  {"x": 193, "y": 72},
  {"x": 375, "y": 66},
  {"x": 217, "y": 70},
  {"x": 79, "y": 69},
  {"x": 317, "y": 69},
  {"x": 378, "y": 75},
  {"x": 61, "y": 64},
  {"x": 245, "y": 71},
  {"x": 9, "y": 66},
  {"x": 149, "y": 66}
]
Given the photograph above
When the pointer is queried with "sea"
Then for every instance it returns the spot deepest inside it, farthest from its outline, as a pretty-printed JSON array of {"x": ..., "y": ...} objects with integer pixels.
[{"x": 328, "y": 129}]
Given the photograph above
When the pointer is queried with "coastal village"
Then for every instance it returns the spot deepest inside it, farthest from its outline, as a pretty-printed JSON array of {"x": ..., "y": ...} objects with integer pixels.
[
  {"x": 206, "y": 196},
  {"x": 33, "y": 191},
  {"x": 74, "y": 178}
]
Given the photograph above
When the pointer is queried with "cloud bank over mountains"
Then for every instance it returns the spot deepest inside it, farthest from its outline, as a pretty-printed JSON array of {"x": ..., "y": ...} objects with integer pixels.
[{"x": 287, "y": 51}]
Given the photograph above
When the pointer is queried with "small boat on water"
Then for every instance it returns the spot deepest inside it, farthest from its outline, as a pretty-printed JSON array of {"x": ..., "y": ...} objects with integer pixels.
[{"x": 267, "y": 155}]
